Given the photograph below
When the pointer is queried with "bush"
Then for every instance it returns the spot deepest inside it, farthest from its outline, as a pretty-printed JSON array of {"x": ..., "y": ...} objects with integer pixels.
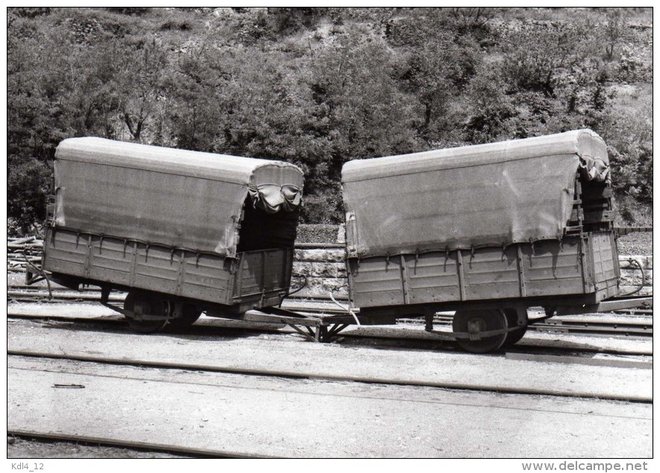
[
  {"x": 322, "y": 209},
  {"x": 317, "y": 233},
  {"x": 28, "y": 185}
]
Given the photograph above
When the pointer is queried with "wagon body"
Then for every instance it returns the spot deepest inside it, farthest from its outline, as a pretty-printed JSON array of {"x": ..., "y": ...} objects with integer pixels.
[
  {"x": 258, "y": 278},
  {"x": 582, "y": 270},
  {"x": 506, "y": 224},
  {"x": 210, "y": 228}
]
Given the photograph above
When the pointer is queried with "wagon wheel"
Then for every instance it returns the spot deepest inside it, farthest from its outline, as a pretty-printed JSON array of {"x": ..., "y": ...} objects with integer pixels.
[
  {"x": 190, "y": 314},
  {"x": 512, "y": 321},
  {"x": 140, "y": 303},
  {"x": 480, "y": 321}
]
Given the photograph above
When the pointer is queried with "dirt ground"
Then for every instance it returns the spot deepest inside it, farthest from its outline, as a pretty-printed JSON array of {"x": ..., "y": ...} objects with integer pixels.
[
  {"x": 20, "y": 448},
  {"x": 636, "y": 244}
]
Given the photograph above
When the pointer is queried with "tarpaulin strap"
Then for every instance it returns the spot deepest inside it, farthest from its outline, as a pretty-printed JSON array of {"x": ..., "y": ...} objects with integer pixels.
[
  {"x": 125, "y": 245},
  {"x": 77, "y": 238},
  {"x": 172, "y": 250},
  {"x": 100, "y": 243},
  {"x": 146, "y": 251}
]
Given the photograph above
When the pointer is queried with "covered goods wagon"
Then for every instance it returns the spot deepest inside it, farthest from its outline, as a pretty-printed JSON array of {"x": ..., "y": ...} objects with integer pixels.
[
  {"x": 486, "y": 230},
  {"x": 182, "y": 231}
]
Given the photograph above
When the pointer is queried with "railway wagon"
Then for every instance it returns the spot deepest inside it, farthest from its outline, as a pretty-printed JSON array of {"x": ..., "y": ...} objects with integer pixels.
[
  {"x": 487, "y": 230},
  {"x": 181, "y": 231}
]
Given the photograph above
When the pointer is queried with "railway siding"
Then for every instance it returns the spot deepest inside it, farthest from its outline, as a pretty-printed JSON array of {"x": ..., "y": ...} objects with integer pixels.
[
  {"x": 252, "y": 415},
  {"x": 291, "y": 358},
  {"x": 410, "y": 332}
]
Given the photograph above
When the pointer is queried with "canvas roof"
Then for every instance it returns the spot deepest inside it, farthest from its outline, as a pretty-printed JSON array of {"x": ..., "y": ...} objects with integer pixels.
[
  {"x": 172, "y": 197},
  {"x": 466, "y": 197}
]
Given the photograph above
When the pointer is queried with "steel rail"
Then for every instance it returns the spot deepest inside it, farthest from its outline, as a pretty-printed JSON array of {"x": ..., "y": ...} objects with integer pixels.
[
  {"x": 589, "y": 328},
  {"x": 276, "y": 373},
  {"x": 132, "y": 444},
  {"x": 625, "y": 328},
  {"x": 403, "y": 338}
]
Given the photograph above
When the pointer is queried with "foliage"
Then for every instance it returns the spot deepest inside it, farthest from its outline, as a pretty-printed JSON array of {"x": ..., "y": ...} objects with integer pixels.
[
  {"x": 489, "y": 109},
  {"x": 630, "y": 139},
  {"x": 320, "y": 86},
  {"x": 29, "y": 182},
  {"x": 614, "y": 31}
]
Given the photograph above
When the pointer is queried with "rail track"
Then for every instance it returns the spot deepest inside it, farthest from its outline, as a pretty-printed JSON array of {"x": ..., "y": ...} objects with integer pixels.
[
  {"x": 76, "y": 363},
  {"x": 407, "y": 334},
  {"x": 625, "y": 324},
  {"x": 73, "y": 331},
  {"x": 574, "y": 389},
  {"x": 585, "y": 354}
]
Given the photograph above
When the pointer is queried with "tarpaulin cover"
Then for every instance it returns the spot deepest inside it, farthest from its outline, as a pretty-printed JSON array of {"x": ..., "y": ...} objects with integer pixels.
[
  {"x": 468, "y": 197},
  {"x": 166, "y": 196}
]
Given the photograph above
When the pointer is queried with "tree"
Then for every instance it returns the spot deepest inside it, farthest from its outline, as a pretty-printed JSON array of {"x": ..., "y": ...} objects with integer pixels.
[
  {"x": 140, "y": 86},
  {"x": 614, "y": 31},
  {"x": 489, "y": 110},
  {"x": 364, "y": 112},
  {"x": 318, "y": 87},
  {"x": 29, "y": 182},
  {"x": 546, "y": 50}
]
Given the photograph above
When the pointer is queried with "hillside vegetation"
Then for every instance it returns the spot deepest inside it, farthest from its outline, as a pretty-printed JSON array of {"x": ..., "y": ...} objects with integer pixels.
[{"x": 317, "y": 87}]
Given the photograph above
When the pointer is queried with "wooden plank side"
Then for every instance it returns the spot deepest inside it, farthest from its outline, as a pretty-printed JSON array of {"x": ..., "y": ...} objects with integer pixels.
[
  {"x": 553, "y": 269},
  {"x": 546, "y": 268},
  {"x": 491, "y": 273},
  {"x": 606, "y": 273},
  {"x": 65, "y": 253},
  {"x": 376, "y": 282},
  {"x": 156, "y": 269},
  {"x": 206, "y": 278},
  {"x": 131, "y": 264},
  {"x": 111, "y": 260},
  {"x": 432, "y": 277},
  {"x": 262, "y": 272}
]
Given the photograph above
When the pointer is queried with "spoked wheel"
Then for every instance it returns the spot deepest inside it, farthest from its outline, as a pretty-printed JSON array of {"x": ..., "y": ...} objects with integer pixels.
[
  {"x": 512, "y": 321},
  {"x": 139, "y": 305},
  {"x": 189, "y": 316},
  {"x": 476, "y": 321}
]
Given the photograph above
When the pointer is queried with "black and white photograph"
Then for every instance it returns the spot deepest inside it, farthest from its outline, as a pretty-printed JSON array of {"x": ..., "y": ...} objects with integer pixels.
[{"x": 256, "y": 232}]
